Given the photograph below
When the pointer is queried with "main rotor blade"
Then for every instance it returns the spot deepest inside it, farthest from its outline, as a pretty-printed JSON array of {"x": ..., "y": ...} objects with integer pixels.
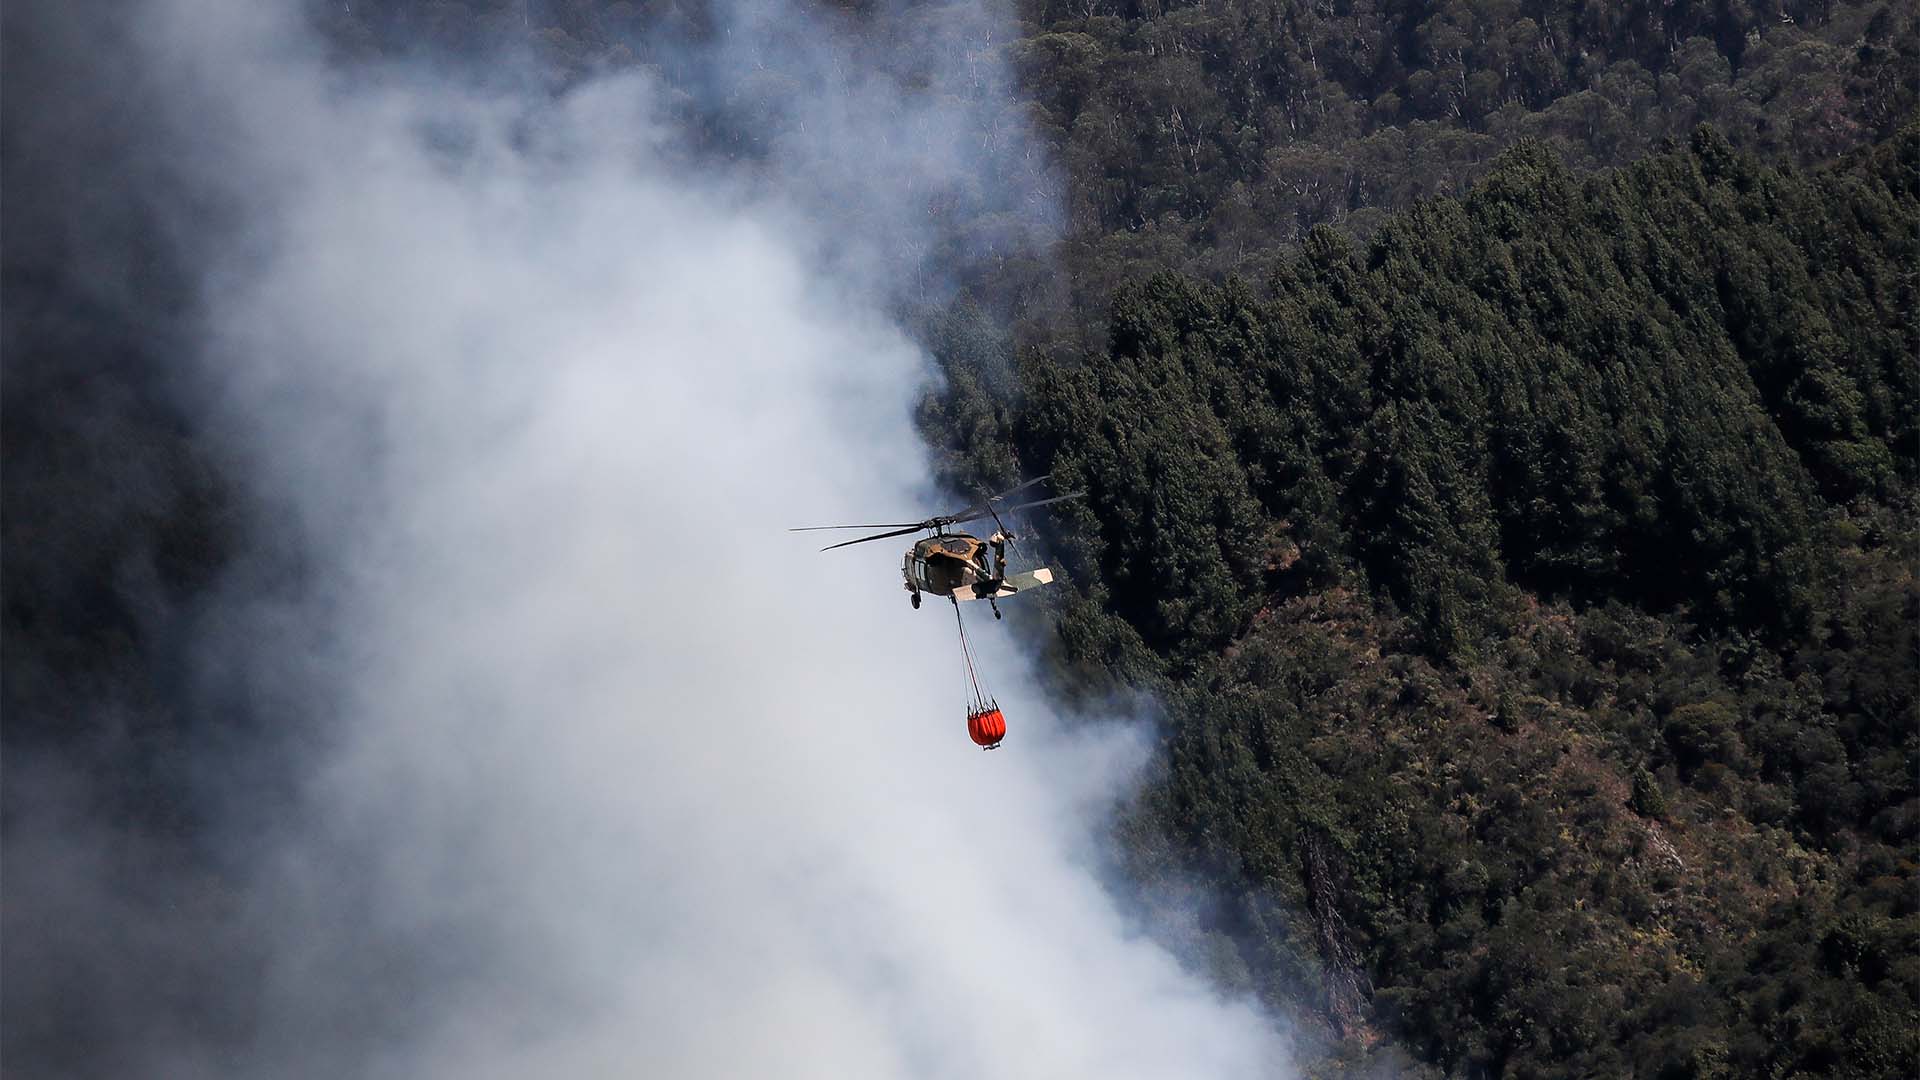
[
  {"x": 1024, "y": 485},
  {"x": 875, "y": 525},
  {"x": 1022, "y": 506},
  {"x": 1043, "y": 502},
  {"x": 973, "y": 510},
  {"x": 875, "y": 536}
]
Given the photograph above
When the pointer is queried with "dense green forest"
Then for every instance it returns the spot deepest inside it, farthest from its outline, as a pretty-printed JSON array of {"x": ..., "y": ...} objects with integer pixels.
[
  {"x": 1528, "y": 576},
  {"x": 1531, "y": 591},
  {"x": 1211, "y": 137},
  {"x": 1499, "y": 420}
]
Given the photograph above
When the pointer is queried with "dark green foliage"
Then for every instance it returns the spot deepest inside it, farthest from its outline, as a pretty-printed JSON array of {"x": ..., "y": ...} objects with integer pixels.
[
  {"x": 1179, "y": 553},
  {"x": 968, "y": 417},
  {"x": 1214, "y": 135},
  {"x": 1532, "y": 594},
  {"x": 1551, "y": 384},
  {"x": 1533, "y": 898},
  {"x": 1648, "y": 800}
]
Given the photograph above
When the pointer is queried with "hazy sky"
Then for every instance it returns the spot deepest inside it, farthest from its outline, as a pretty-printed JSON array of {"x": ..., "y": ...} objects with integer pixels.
[{"x": 616, "y": 777}]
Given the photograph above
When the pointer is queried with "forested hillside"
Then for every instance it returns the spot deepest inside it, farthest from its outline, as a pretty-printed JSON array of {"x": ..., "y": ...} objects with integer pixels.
[
  {"x": 1504, "y": 485},
  {"x": 1531, "y": 590},
  {"x": 1205, "y": 135}
]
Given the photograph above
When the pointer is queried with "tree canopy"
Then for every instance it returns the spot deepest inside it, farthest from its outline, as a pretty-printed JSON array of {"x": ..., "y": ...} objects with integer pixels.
[{"x": 1531, "y": 588}]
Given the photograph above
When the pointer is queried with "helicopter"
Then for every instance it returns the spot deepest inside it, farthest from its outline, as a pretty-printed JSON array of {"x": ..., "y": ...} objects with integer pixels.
[{"x": 959, "y": 565}]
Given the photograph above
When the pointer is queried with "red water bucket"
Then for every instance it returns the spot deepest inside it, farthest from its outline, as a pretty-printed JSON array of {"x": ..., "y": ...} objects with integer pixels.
[{"x": 986, "y": 726}]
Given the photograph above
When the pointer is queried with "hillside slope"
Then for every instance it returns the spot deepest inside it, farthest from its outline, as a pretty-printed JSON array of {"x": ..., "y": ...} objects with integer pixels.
[{"x": 1533, "y": 599}]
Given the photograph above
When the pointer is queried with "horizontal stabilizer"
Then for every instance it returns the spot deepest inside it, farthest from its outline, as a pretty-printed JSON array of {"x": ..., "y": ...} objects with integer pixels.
[
  {"x": 1032, "y": 579},
  {"x": 1012, "y": 583}
]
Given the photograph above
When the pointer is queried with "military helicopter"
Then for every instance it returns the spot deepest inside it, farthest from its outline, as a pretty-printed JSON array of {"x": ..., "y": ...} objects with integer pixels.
[{"x": 958, "y": 565}]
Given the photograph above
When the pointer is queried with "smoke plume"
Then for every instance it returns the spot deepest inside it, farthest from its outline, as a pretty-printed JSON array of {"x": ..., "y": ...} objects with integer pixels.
[{"x": 599, "y": 771}]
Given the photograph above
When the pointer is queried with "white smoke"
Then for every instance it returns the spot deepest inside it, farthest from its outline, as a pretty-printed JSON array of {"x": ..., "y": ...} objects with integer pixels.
[{"x": 623, "y": 779}]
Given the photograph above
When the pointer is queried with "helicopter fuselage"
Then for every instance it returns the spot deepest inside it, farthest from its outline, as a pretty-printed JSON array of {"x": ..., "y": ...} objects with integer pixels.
[{"x": 953, "y": 564}]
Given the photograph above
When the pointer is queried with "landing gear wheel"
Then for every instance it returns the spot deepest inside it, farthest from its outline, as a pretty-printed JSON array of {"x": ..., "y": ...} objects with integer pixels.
[
  {"x": 996, "y": 609},
  {"x": 916, "y": 601}
]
